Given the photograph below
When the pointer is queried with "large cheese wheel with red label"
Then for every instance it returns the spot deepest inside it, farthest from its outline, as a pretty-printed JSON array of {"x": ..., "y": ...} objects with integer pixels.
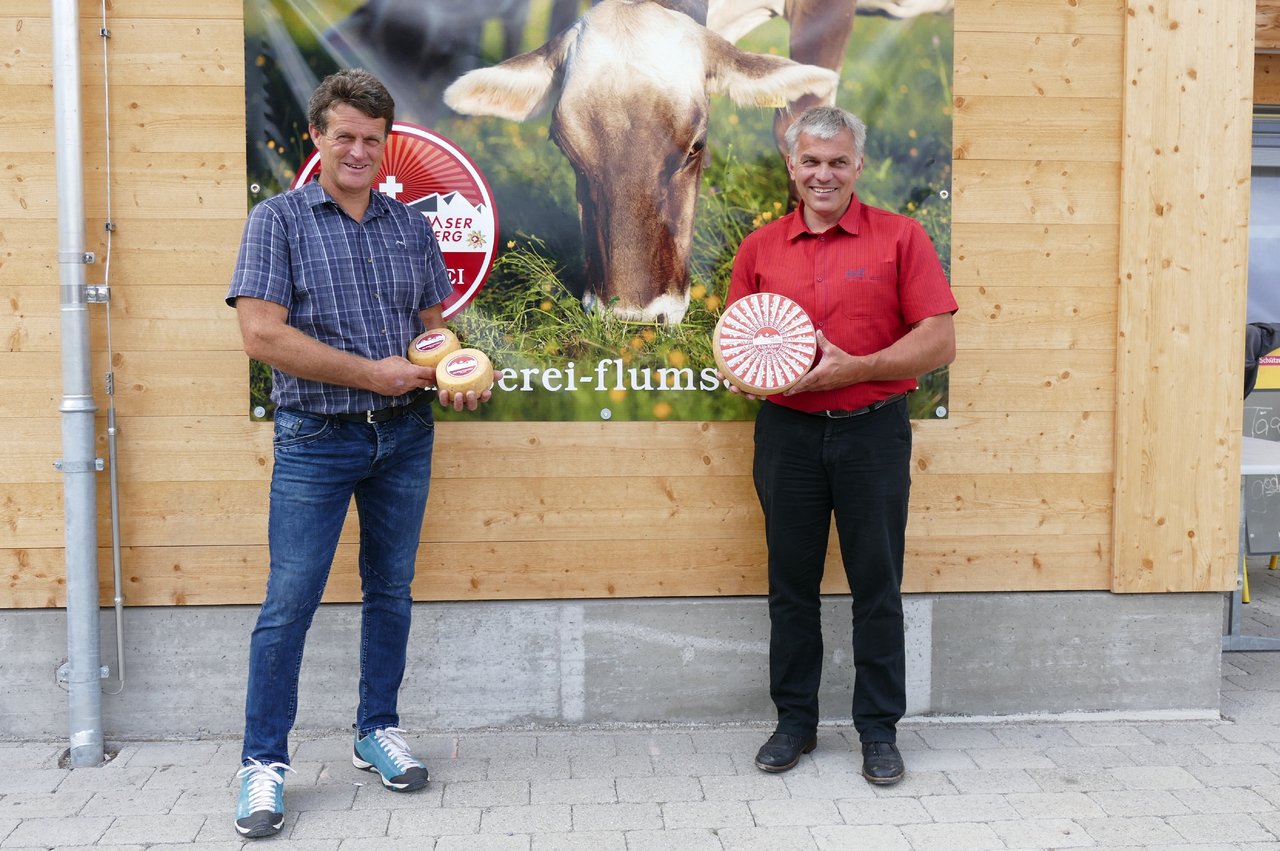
[
  {"x": 429, "y": 347},
  {"x": 463, "y": 370},
  {"x": 764, "y": 343}
]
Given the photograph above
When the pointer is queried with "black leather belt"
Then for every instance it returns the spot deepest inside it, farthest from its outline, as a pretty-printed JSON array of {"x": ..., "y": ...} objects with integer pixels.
[
  {"x": 383, "y": 415},
  {"x": 874, "y": 406}
]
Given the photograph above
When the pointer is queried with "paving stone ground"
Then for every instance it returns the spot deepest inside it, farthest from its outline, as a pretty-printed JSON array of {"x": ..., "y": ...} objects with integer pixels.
[{"x": 1194, "y": 785}]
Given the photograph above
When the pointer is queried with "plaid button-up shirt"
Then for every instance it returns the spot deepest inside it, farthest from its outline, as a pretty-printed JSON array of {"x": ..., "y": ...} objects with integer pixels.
[{"x": 357, "y": 286}]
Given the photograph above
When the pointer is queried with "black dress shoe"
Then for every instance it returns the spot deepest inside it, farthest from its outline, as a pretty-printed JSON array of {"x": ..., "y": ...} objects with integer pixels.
[
  {"x": 782, "y": 752},
  {"x": 881, "y": 763}
]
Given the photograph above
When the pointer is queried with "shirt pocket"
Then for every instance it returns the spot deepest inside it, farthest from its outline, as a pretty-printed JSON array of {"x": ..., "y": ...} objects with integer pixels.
[
  {"x": 404, "y": 271},
  {"x": 871, "y": 291}
]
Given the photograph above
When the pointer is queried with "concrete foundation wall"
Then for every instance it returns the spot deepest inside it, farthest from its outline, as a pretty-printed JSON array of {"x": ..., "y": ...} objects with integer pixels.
[{"x": 614, "y": 661}]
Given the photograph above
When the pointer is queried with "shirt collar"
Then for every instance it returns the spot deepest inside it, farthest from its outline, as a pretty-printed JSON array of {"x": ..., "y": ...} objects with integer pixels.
[
  {"x": 315, "y": 194},
  {"x": 847, "y": 223}
]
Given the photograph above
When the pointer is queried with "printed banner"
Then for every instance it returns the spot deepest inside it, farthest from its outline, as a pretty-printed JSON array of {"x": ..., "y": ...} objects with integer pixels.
[
  {"x": 590, "y": 169},
  {"x": 1269, "y": 372}
]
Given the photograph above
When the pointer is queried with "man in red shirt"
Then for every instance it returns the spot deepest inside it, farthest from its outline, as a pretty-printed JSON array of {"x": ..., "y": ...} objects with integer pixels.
[{"x": 839, "y": 440}]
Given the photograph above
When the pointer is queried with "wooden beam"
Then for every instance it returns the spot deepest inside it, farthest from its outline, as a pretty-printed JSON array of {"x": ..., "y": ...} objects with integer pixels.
[
  {"x": 1097, "y": 17},
  {"x": 1035, "y": 257},
  {"x": 1033, "y": 128},
  {"x": 1266, "y": 79},
  {"x": 1267, "y": 25},
  {"x": 1049, "y": 65},
  {"x": 547, "y": 570},
  {"x": 1183, "y": 269},
  {"x": 1043, "y": 191}
]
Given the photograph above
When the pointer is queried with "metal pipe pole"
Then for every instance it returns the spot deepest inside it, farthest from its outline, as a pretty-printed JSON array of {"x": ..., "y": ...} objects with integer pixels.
[{"x": 78, "y": 465}]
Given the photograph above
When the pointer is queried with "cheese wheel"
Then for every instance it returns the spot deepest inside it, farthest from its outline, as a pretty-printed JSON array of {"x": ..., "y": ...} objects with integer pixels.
[
  {"x": 463, "y": 370},
  {"x": 429, "y": 347},
  {"x": 764, "y": 343}
]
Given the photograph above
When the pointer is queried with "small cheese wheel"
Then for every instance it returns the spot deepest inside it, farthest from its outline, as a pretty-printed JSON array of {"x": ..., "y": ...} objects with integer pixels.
[
  {"x": 764, "y": 343},
  {"x": 429, "y": 347},
  {"x": 463, "y": 370}
]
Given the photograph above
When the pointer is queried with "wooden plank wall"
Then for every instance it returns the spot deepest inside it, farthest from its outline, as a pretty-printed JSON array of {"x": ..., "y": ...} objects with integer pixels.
[{"x": 1013, "y": 492}]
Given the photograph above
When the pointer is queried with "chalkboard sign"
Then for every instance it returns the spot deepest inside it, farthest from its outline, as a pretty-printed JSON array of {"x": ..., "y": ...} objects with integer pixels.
[{"x": 1262, "y": 493}]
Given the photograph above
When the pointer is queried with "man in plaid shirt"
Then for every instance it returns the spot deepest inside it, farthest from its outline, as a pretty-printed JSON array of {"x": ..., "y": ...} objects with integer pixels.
[{"x": 332, "y": 282}]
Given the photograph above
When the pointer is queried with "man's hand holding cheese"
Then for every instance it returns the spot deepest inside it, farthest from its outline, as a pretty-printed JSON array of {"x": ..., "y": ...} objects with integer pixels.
[
  {"x": 928, "y": 342},
  {"x": 462, "y": 387}
]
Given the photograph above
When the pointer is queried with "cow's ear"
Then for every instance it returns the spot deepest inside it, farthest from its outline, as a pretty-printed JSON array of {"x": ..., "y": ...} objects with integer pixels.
[
  {"x": 519, "y": 88},
  {"x": 760, "y": 79}
]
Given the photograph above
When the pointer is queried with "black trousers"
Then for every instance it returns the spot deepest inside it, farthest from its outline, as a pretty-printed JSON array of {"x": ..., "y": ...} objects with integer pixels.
[{"x": 806, "y": 469}]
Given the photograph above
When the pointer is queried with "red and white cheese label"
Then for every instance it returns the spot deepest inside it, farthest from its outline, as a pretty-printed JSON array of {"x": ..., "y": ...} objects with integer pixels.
[
  {"x": 430, "y": 341},
  {"x": 764, "y": 343},
  {"x": 461, "y": 367}
]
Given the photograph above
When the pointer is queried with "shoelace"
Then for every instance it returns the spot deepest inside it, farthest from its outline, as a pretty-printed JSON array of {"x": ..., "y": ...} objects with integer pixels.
[
  {"x": 263, "y": 780},
  {"x": 394, "y": 744}
]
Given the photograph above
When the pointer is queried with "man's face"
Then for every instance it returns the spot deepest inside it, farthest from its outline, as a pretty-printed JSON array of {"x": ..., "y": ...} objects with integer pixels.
[
  {"x": 351, "y": 150},
  {"x": 825, "y": 172}
]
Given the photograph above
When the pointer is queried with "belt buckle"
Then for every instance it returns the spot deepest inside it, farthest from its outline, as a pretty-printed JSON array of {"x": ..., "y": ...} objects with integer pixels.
[
  {"x": 838, "y": 415},
  {"x": 368, "y": 417}
]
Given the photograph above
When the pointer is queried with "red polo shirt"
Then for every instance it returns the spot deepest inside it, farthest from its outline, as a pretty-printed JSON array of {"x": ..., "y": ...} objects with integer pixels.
[{"x": 863, "y": 282}]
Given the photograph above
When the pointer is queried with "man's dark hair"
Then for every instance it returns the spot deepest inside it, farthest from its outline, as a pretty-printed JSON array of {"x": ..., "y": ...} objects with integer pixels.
[{"x": 355, "y": 87}]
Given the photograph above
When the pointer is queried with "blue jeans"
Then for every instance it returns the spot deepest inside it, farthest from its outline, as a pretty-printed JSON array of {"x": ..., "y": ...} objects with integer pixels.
[
  {"x": 320, "y": 464},
  {"x": 807, "y": 469}
]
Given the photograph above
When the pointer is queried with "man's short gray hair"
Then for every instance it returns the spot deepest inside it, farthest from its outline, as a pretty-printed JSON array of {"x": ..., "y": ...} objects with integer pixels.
[{"x": 827, "y": 122}]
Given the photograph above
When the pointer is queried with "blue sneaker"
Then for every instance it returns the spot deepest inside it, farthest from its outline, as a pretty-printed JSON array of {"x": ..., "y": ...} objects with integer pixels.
[
  {"x": 385, "y": 752},
  {"x": 260, "y": 811}
]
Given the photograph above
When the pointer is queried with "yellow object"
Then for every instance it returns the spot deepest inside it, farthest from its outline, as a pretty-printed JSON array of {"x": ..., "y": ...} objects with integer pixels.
[
  {"x": 1244, "y": 573},
  {"x": 430, "y": 347},
  {"x": 463, "y": 370},
  {"x": 1269, "y": 372}
]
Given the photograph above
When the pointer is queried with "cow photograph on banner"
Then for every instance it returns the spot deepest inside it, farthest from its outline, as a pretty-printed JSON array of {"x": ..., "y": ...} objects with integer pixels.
[{"x": 589, "y": 169}]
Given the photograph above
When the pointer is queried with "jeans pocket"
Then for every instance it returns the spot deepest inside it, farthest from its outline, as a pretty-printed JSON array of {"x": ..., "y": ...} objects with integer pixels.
[
  {"x": 297, "y": 428},
  {"x": 423, "y": 418}
]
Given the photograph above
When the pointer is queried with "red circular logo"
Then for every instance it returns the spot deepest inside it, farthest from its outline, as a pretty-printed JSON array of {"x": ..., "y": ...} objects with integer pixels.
[
  {"x": 432, "y": 175},
  {"x": 430, "y": 342},
  {"x": 461, "y": 367}
]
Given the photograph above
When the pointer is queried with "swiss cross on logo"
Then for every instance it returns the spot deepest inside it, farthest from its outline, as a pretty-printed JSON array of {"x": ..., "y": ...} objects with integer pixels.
[{"x": 432, "y": 175}]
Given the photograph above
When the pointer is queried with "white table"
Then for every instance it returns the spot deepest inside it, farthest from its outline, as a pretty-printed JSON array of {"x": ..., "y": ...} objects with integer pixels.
[{"x": 1258, "y": 458}]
